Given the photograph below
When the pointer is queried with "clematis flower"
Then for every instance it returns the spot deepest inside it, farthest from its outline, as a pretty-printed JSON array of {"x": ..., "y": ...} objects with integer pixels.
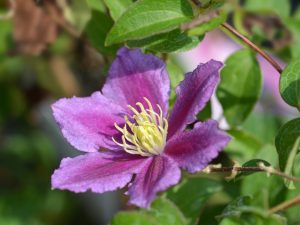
[{"x": 126, "y": 133}]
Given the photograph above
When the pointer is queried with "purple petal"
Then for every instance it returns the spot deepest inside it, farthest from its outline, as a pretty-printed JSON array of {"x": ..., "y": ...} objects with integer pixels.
[
  {"x": 192, "y": 95},
  {"x": 194, "y": 149},
  {"x": 98, "y": 172},
  {"x": 88, "y": 123},
  {"x": 159, "y": 173},
  {"x": 134, "y": 75}
]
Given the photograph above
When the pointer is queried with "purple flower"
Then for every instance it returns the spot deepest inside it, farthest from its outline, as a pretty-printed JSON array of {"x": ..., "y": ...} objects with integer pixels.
[{"x": 130, "y": 118}]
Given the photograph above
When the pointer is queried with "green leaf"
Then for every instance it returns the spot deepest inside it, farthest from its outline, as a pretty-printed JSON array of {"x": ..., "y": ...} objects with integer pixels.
[
  {"x": 161, "y": 212},
  {"x": 96, "y": 5},
  {"x": 191, "y": 195},
  {"x": 117, "y": 7},
  {"x": 290, "y": 84},
  {"x": 148, "y": 17},
  {"x": 133, "y": 218},
  {"x": 297, "y": 14},
  {"x": 264, "y": 190},
  {"x": 243, "y": 145},
  {"x": 294, "y": 26},
  {"x": 176, "y": 75},
  {"x": 252, "y": 163},
  {"x": 96, "y": 31},
  {"x": 228, "y": 221},
  {"x": 166, "y": 212},
  {"x": 5, "y": 36},
  {"x": 206, "y": 26},
  {"x": 208, "y": 5},
  {"x": 241, "y": 212},
  {"x": 285, "y": 140},
  {"x": 78, "y": 13},
  {"x": 206, "y": 113},
  {"x": 290, "y": 163},
  {"x": 268, "y": 153},
  {"x": 233, "y": 208},
  {"x": 240, "y": 86},
  {"x": 280, "y": 7},
  {"x": 173, "y": 41},
  {"x": 263, "y": 126}
]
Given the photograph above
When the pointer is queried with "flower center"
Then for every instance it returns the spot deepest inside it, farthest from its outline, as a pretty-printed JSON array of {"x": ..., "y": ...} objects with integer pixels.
[{"x": 146, "y": 133}]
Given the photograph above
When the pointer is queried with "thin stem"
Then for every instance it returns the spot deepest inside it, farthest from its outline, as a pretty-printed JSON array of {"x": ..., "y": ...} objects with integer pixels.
[
  {"x": 285, "y": 205},
  {"x": 239, "y": 169},
  {"x": 269, "y": 170},
  {"x": 286, "y": 176},
  {"x": 253, "y": 46}
]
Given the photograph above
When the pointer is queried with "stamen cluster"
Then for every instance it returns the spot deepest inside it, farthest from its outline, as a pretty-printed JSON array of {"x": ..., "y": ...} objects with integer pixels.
[{"x": 146, "y": 133}]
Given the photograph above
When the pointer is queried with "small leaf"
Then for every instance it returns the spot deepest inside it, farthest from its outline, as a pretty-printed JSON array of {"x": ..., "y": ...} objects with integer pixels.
[
  {"x": 290, "y": 84},
  {"x": 117, "y": 7},
  {"x": 290, "y": 163},
  {"x": 176, "y": 75},
  {"x": 208, "y": 5},
  {"x": 243, "y": 145},
  {"x": 134, "y": 218},
  {"x": 281, "y": 7},
  {"x": 5, "y": 36},
  {"x": 96, "y": 5},
  {"x": 162, "y": 212},
  {"x": 252, "y": 163},
  {"x": 173, "y": 41},
  {"x": 241, "y": 211},
  {"x": 297, "y": 14},
  {"x": 148, "y": 17},
  {"x": 96, "y": 30},
  {"x": 240, "y": 86},
  {"x": 285, "y": 140},
  {"x": 166, "y": 212},
  {"x": 233, "y": 209},
  {"x": 78, "y": 13},
  {"x": 205, "y": 114},
  {"x": 263, "y": 126},
  {"x": 264, "y": 190},
  {"x": 294, "y": 26},
  {"x": 206, "y": 26},
  {"x": 191, "y": 195}
]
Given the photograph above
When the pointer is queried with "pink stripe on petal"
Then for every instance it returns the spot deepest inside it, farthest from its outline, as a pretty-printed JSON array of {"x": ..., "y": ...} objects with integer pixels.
[
  {"x": 159, "y": 173},
  {"x": 88, "y": 123},
  {"x": 192, "y": 95},
  {"x": 134, "y": 75},
  {"x": 194, "y": 149},
  {"x": 98, "y": 172}
]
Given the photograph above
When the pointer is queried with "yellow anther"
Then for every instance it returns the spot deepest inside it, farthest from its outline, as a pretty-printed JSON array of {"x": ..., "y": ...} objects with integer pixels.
[{"x": 146, "y": 133}]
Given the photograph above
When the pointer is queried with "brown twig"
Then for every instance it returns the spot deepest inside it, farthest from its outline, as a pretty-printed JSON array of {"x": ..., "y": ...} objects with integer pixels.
[
  {"x": 238, "y": 169},
  {"x": 285, "y": 205},
  {"x": 253, "y": 46},
  {"x": 259, "y": 168}
]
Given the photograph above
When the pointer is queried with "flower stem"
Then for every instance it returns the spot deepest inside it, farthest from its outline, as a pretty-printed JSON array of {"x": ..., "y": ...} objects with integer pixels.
[
  {"x": 285, "y": 205},
  {"x": 253, "y": 46}
]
